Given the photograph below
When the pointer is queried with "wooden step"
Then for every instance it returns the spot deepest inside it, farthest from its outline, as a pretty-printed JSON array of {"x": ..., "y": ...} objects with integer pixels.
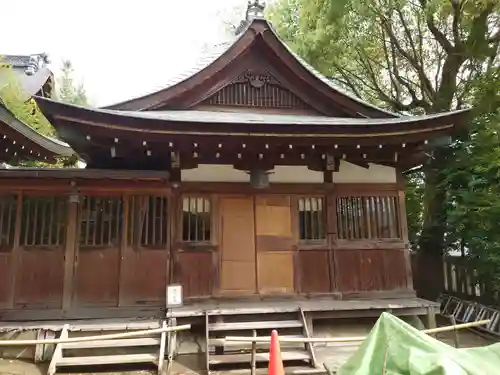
[
  {"x": 289, "y": 355},
  {"x": 147, "y": 341},
  {"x": 107, "y": 359},
  {"x": 236, "y": 326}
]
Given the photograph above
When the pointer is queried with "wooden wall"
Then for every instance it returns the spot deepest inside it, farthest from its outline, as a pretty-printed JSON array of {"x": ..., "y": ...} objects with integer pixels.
[{"x": 121, "y": 249}]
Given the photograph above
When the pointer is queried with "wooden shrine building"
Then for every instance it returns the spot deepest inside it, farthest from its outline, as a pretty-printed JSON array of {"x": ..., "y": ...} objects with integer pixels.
[{"x": 250, "y": 176}]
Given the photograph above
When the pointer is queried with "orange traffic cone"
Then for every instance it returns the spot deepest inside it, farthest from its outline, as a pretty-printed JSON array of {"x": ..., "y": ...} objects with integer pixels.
[{"x": 275, "y": 362}]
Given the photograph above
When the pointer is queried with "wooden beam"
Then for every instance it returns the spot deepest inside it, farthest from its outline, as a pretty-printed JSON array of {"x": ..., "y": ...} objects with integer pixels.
[
  {"x": 404, "y": 235},
  {"x": 332, "y": 236},
  {"x": 16, "y": 249},
  {"x": 124, "y": 248},
  {"x": 69, "y": 251},
  {"x": 38, "y": 185}
]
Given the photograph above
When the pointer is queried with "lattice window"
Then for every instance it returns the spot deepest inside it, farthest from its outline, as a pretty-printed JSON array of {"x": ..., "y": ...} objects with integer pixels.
[
  {"x": 148, "y": 221},
  {"x": 8, "y": 205},
  {"x": 43, "y": 221},
  {"x": 368, "y": 217},
  {"x": 100, "y": 221},
  {"x": 311, "y": 219},
  {"x": 196, "y": 219}
]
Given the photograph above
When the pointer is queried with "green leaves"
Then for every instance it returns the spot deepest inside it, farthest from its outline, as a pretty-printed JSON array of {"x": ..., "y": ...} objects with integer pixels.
[
  {"x": 68, "y": 91},
  {"x": 12, "y": 97},
  {"x": 421, "y": 56}
]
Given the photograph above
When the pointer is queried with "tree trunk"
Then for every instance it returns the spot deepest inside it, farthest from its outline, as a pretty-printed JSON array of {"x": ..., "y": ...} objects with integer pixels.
[{"x": 432, "y": 239}]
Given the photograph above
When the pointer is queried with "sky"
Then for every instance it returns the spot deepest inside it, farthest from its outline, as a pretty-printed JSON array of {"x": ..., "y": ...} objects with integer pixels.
[{"x": 119, "y": 49}]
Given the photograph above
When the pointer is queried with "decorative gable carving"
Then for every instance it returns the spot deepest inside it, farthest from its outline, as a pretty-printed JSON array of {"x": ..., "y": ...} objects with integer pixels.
[{"x": 257, "y": 90}]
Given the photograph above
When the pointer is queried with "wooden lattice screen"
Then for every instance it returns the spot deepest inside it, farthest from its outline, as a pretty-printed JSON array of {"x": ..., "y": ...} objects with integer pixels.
[
  {"x": 148, "y": 221},
  {"x": 311, "y": 219},
  {"x": 368, "y": 217},
  {"x": 100, "y": 221},
  {"x": 43, "y": 221},
  {"x": 196, "y": 219},
  {"x": 8, "y": 205}
]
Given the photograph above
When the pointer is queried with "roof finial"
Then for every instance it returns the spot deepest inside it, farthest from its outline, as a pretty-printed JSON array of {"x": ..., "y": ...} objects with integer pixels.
[{"x": 255, "y": 9}]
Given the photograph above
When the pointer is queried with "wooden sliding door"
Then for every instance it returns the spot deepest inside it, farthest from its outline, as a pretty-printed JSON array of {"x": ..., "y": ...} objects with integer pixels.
[
  {"x": 145, "y": 252},
  {"x": 275, "y": 244},
  {"x": 237, "y": 273},
  {"x": 97, "y": 262}
]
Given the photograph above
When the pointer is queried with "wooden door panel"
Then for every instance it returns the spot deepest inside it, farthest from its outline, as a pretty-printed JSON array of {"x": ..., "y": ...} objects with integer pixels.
[
  {"x": 276, "y": 272},
  {"x": 314, "y": 271},
  {"x": 6, "y": 270},
  {"x": 275, "y": 244},
  {"x": 144, "y": 276},
  {"x": 97, "y": 277},
  {"x": 195, "y": 271},
  {"x": 238, "y": 238},
  {"x": 237, "y": 245},
  {"x": 238, "y": 277},
  {"x": 40, "y": 278},
  {"x": 273, "y": 216}
]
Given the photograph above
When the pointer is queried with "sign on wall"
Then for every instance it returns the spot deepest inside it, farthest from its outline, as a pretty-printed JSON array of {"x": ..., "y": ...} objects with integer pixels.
[{"x": 174, "y": 295}]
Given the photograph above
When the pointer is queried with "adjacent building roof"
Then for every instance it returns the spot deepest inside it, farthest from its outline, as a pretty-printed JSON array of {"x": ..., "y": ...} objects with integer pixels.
[
  {"x": 32, "y": 72},
  {"x": 19, "y": 141}
]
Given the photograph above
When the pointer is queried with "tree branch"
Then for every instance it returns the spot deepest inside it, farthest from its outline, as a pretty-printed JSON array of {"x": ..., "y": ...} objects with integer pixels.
[
  {"x": 438, "y": 35},
  {"x": 424, "y": 80}
]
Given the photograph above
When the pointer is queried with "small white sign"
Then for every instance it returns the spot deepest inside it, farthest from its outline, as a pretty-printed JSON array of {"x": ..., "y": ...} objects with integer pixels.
[{"x": 174, "y": 295}]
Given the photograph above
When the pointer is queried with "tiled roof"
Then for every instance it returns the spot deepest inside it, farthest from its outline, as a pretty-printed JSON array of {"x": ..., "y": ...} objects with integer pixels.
[
  {"x": 246, "y": 117},
  {"x": 51, "y": 144},
  {"x": 31, "y": 71},
  {"x": 211, "y": 55}
]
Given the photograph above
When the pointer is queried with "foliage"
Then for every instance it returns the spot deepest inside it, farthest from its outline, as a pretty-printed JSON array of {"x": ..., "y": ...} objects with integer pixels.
[
  {"x": 12, "y": 97},
  {"x": 68, "y": 91},
  {"x": 27, "y": 111},
  {"x": 413, "y": 57}
]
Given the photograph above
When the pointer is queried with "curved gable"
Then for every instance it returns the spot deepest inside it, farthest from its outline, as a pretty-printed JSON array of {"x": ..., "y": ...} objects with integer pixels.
[{"x": 258, "y": 48}]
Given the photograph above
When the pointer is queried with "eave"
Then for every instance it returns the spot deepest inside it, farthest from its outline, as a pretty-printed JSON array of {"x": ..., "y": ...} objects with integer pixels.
[
  {"x": 20, "y": 141},
  {"x": 94, "y": 132}
]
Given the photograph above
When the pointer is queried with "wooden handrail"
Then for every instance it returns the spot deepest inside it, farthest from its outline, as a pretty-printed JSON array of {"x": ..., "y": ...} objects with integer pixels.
[
  {"x": 123, "y": 335},
  {"x": 350, "y": 339}
]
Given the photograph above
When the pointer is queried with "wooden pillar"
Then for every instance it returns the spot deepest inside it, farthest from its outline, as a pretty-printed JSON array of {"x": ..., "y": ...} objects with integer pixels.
[
  {"x": 124, "y": 246},
  {"x": 331, "y": 230},
  {"x": 16, "y": 250},
  {"x": 70, "y": 250},
  {"x": 404, "y": 230}
]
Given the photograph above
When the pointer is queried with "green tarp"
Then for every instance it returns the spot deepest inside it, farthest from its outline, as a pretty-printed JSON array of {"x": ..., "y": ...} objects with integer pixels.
[{"x": 394, "y": 347}]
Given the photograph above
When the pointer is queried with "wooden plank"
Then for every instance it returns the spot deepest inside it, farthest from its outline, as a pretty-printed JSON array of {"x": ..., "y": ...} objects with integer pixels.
[
  {"x": 313, "y": 271},
  {"x": 295, "y": 355},
  {"x": 163, "y": 342},
  {"x": 122, "y": 276},
  {"x": 58, "y": 354},
  {"x": 108, "y": 359},
  {"x": 40, "y": 335},
  {"x": 172, "y": 345},
  {"x": 254, "y": 325},
  {"x": 69, "y": 251},
  {"x": 309, "y": 346},
  {"x": 231, "y": 344},
  {"x": 147, "y": 341},
  {"x": 237, "y": 253},
  {"x": 207, "y": 350},
  {"x": 16, "y": 250},
  {"x": 253, "y": 360},
  {"x": 64, "y": 173}
]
